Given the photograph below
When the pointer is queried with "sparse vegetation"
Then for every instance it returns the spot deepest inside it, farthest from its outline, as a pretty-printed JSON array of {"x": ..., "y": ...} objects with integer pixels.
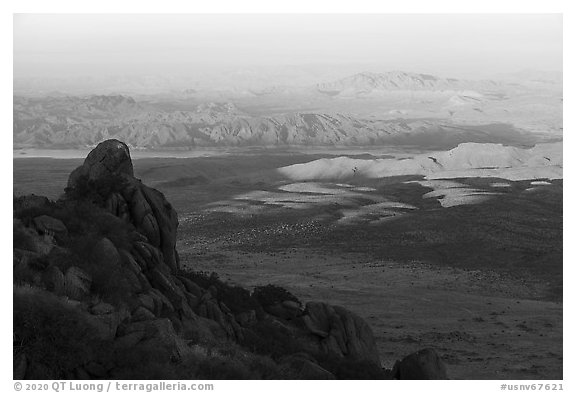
[
  {"x": 82, "y": 217},
  {"x": 352, "y": 368},
  {"x": 236, "y": 298},
  {"x": 87, "y": 224},
  {"x": 96, "y": 191},
  {"x": 22, "y": 239},
  {"x": 268, "y": 338},
  {"x": 271, "y": 294},
  {"x": 108, "y": 278},
  {"x": 55, "y": 337},
  {"x": 224, "y": 361}
]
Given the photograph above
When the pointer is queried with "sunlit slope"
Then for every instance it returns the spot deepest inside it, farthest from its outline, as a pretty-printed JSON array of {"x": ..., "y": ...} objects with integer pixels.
[{"x": 466, "y": 160}]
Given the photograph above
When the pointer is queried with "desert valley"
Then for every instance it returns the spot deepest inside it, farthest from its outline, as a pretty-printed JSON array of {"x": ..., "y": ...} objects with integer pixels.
[{"x": 431, "y": 207}]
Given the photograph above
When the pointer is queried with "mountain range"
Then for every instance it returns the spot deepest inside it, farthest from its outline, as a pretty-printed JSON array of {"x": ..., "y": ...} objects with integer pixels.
[
  {"x": 360, "y": 110},
  {"x": 76, "y": 122},
  {"x": 369, "y": 82}
]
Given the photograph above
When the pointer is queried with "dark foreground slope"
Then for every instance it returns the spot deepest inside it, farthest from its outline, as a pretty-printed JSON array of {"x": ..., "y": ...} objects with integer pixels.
[{"x": 99, "y": 293}]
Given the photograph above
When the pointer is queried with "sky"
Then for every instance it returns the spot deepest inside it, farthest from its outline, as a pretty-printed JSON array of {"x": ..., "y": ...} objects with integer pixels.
[{"x": 64, "y": 45}]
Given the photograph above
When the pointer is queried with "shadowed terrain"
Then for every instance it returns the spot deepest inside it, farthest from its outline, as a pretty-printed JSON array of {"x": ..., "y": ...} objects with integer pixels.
[{"x": 480, "y": 281}]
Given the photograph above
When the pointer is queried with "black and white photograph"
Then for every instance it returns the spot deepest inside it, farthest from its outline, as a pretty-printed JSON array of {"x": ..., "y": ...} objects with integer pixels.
[{"x": 287, "y": 196}]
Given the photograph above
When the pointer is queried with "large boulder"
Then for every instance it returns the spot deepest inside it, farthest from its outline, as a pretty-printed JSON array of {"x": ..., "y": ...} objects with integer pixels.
[
  {"x": 54, "y": 280},
  {"x": 110, "y": 157},
  {"x": 77, "y": 283},
  {"x": 116, "y": 204},
  {"x": 47, "y": 225},
  {"x": 107, "y": 325},
  {"x": 166, "y": 219},
  {"x": 424, "y": 364},
  {"x": 105, "y": 250},
  {"x": 26, "y": 238},
  {"x": 158, "y": 333},
  {"x": 341, "y": 332}
]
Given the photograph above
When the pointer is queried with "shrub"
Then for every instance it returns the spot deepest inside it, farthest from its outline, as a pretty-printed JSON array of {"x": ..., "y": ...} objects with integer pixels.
[
  {"x": 271, "y": 294},
  {"x": 227, "y": 360},
  {"x": 87, "y": 224},
  {"x": 223, "y": 361},
  {"x": 345, "y": 368},
  {"x": 99, "y": 223},
  {"x": 222, "y": 368},
  {"x": 236, "y": 298},
  {"x": 120, "y": 233},
  {"x": 239, "y": 299},
  {"x": 201, "y": 278},
  {"x": 143, "y": 361},
  {"x": 23, "y": 239},
  {"x": 55, "y": 337},
  {"x": 23, "y": 275},
  {"x": 97, "y": 190},
  {"x": 58, "y": 338},
  {"x": 83, "y": 217},
  {"x": 26, "y": 264},
  {"x": 26, "y": 214},
  {"x": 266, "y": 338},
  {"x": 108, "y": 278}
]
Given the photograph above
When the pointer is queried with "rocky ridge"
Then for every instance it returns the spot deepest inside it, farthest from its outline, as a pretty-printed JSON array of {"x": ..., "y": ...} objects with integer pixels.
[{"x": 101, "y": 264}]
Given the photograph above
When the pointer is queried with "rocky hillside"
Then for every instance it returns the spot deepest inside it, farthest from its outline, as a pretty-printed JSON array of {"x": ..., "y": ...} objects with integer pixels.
[{"x": 99, "y": 293}]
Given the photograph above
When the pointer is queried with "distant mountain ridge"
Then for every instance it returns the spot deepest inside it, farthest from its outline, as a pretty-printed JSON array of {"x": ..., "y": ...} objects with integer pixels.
[
  {"x": 362, "y": 109},
  {"x": 367, "y": 82},
  {"x": 80, "y": 122}
]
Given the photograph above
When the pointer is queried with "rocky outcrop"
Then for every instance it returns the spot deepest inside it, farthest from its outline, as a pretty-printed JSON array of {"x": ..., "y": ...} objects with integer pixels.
[
  {"x": 49, "y": 225},
  {"x": 147, "y": 209},
  {"x": 131, "y": 293},
  {"x": 340, "y": 332},
  {"x": 110, "y": 157}
]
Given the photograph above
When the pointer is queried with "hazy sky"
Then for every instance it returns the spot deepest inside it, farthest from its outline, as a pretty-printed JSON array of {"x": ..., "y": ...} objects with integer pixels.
[{"x": 457, "y": 45}]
